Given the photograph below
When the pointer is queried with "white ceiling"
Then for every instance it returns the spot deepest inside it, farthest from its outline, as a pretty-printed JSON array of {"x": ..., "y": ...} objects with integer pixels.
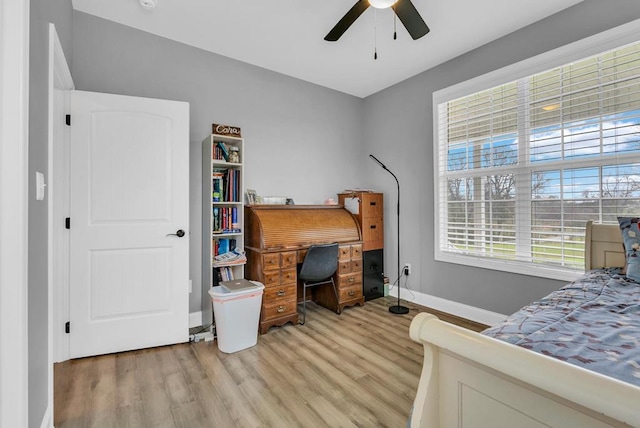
[{"x": 287, "y": 36}]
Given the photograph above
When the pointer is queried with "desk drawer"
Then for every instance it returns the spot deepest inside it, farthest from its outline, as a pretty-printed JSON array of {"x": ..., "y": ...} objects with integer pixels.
[
  {"x": 351, "y": 292},
  {"x": 271, "y": 261},
  {"x": 288, "y": 276},
  {"x": 344, "y": 267},
  {"x": 350, "y": 279},
  {"x": 344, "y": 252},
  {"x": 278, "y": 309},
  {"x": 349, "y": 266},
  {"x": 280, "y": 292},
  {"x": 271, "y": 277},
  {"x": 356, "y": 251},
  {"x": 288, "y": 259},
  {"x": 277, "y": 277}
]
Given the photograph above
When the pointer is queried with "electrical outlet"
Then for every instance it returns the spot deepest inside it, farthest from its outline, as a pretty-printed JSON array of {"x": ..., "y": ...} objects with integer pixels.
[{"x": 407, "y": 269}]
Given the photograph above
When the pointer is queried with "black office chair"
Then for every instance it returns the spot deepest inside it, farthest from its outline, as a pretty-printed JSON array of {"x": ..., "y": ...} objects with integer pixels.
[{"x": 318, "y": 267}]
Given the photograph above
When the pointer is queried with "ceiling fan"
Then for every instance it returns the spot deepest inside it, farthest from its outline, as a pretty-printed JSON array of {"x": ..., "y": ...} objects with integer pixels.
[{"x": 404, "y": 10}]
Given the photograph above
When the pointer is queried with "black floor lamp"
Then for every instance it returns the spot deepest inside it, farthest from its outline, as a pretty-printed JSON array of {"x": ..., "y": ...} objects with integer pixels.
[{"x": 396, "y": 309}]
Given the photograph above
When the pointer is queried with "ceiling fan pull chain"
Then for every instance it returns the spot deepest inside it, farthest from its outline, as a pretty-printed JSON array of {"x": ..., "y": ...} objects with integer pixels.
[
  {"x": 375, "y": 34},
  {"x": 395, "y": 35}
]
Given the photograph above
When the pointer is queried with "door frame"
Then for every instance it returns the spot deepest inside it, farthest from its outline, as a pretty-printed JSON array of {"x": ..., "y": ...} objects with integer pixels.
[
  {"x": 59, "y": 79},
  {"x": 14, "y": 199}
]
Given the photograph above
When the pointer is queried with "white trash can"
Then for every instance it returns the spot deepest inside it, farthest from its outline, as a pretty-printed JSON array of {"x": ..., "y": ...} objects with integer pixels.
[{"x": 236, "y": 314}]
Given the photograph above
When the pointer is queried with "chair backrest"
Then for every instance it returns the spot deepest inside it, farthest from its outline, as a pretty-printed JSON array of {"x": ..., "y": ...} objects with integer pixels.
[{"x": 320, "y": 263}]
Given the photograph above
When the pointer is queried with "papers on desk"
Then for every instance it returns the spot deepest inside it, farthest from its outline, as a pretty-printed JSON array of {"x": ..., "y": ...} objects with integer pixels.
[{"x": 352, "y": 204}]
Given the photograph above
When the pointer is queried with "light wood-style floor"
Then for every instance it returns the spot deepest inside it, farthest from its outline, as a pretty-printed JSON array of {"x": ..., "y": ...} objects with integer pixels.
[{"x": 357, "y": 369}]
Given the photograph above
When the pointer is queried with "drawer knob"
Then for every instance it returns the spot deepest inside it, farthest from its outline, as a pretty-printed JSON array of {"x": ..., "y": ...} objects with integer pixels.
[
  {"x": 281, "y": 293},
  {"x": 351, "y": 279},
  {"x": 280, "y": 309},
  {"x": 352, "y": 293}
]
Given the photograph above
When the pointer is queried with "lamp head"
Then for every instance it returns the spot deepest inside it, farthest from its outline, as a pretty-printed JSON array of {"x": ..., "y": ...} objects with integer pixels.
[{"x": 377, "y": 161}]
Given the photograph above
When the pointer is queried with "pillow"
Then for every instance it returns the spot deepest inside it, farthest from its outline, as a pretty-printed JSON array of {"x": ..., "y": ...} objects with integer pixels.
[{"x": 631, "y": 240}]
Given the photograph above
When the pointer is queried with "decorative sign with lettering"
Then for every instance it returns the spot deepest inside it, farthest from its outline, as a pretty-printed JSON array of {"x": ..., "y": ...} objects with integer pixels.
[{"x": 230, "y": 131}]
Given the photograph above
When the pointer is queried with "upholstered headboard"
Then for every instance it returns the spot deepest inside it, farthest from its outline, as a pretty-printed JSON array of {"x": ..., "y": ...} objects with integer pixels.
[{"x": 603, "y": 246}]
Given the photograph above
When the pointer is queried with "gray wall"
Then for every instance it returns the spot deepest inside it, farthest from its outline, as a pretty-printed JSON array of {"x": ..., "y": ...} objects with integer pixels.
[
  {"x": 308, "y": 142},
  {"x": 398, "y": 128},
  {"x": 42, "y": 12},
  {"x": 301, "y": 140}
]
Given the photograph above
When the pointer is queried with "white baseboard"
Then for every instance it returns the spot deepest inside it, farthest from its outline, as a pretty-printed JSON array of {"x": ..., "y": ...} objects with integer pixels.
[
  {"x": 449, "y": 306},
  {"x": 47, "y": 420},
  {"x": 195, "y": 319}
]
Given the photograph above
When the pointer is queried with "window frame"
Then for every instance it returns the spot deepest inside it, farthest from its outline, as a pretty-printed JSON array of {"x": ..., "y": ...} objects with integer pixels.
[{"x": 593, "y": 45}]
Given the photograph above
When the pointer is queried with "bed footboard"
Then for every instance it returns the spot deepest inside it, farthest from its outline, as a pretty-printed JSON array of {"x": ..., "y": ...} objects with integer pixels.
[{"x": 471, "y": 380}]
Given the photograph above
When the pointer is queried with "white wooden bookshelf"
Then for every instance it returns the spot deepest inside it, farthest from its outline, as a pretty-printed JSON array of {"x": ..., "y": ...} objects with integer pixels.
[{"x": 209, "y": 234}]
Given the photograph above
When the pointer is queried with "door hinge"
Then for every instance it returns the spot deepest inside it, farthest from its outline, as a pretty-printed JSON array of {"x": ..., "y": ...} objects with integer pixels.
[
  {"x": 68, "y": 120},
  {"x": 67, "y": 327},
  {"x": 67, "y": 223}
]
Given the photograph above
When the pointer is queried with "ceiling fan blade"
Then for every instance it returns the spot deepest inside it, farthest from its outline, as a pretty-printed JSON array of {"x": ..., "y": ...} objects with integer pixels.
[
  {"x": 411, "y": 19},
  {"x": 347, "y": 20}
]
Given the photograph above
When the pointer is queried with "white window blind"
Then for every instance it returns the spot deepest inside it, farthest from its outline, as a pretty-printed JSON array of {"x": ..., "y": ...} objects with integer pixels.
[{"x": 522, "y": 166}]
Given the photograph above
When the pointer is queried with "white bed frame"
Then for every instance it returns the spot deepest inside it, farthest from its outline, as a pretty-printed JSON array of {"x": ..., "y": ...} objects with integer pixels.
[{"x": 472, "y": 380}]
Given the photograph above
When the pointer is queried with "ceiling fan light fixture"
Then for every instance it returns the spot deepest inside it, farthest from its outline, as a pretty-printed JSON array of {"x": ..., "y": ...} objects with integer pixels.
[{"x": 382, "y": 4}]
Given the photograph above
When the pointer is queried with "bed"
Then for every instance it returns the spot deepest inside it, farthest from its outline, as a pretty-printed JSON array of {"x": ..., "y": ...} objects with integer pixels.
[{"x": 511, "y": 380}]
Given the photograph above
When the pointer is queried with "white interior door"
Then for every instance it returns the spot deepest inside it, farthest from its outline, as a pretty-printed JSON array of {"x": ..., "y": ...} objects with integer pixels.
[{"x": 129, "y": 268}]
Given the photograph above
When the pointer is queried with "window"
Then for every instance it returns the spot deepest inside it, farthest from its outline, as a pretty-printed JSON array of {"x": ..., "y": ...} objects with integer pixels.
[{"x": 521, "y": 166}]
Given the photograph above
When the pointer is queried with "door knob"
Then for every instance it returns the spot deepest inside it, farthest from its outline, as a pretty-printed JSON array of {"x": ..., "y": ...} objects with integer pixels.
[{"x": 179, "y": 233}]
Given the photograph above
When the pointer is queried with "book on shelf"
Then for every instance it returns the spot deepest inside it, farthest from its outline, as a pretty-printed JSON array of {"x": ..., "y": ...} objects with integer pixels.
[
  {"x": 221, "y": 274},
  {"x": 218, "y": 186},
  {"x": 225, "y": 185},
  {"x": 223, "y": 245},
  {"x": 223, "y": 220},
  {"x": 234, "y": 218},
  {"x": 216, "y": 226},
  {"x": 226, "y": 273},
  {"x": 221, "y": 151}
]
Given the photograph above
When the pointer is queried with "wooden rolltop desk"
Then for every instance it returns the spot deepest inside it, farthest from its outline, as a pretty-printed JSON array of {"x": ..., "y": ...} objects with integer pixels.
[{"x": 276, "y": 241}]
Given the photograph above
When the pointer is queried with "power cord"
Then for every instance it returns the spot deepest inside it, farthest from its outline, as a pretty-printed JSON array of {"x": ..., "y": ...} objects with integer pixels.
[
  {"x": 203, "y": 329},
  {"x": 193, "y": 337},
  {"x": 406, "y": 284}
]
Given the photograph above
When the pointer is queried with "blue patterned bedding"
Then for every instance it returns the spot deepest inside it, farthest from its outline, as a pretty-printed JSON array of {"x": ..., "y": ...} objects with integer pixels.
[{"x": 593, "y": 322}]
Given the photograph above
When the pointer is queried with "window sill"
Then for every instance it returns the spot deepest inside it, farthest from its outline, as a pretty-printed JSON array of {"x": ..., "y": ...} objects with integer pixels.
[{"x": 511, "y": 266}]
